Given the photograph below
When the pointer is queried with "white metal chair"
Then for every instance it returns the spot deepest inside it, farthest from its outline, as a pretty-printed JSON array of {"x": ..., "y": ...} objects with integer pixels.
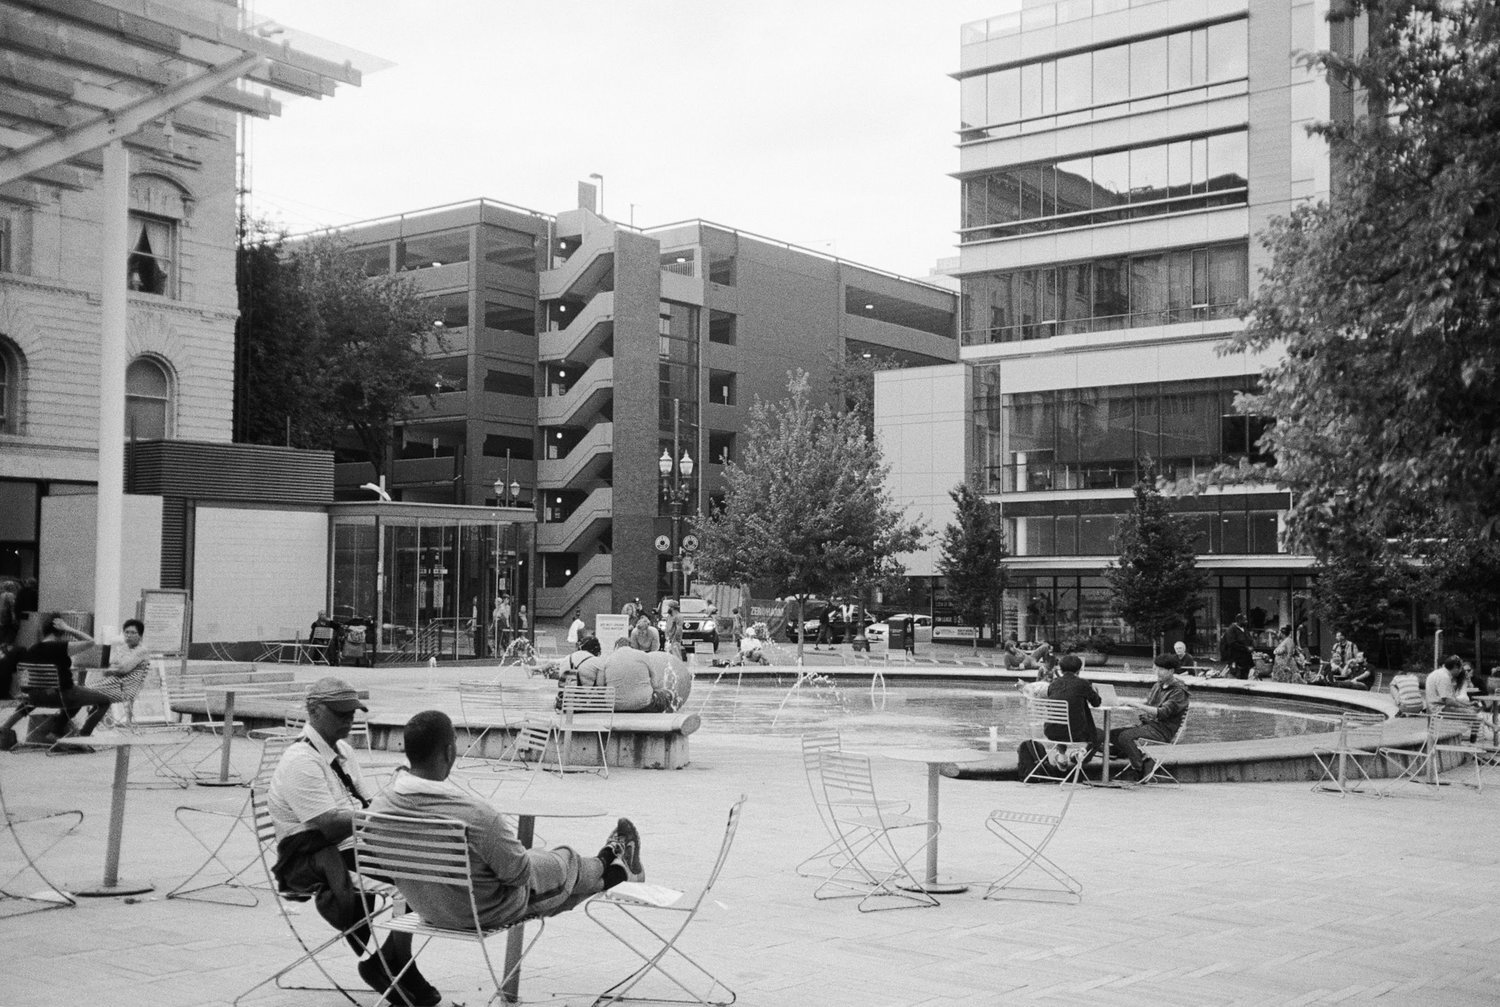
[
  {"x": 318, "y": 642},
  {"x": 1356, "y": 741},
  {"x": 231, "y": 884},
  {"x": 1450, "y": 731},
  {"x": 265, "y": 835},
  {"x": 1043, "y": 713},
  {"x": 431, "y": 851},
  {"x": 481, "y": 707},
  {"x": 814, "y": 743},
  {"x": 1155, "y": 751},
  {"x": 20, "y": 903},
  {"x": 1028, "y": 834},
  {"x": 586, "y": 709},
  {"x": 658, "y": 929},
  {"x": 866, "y": 841}
]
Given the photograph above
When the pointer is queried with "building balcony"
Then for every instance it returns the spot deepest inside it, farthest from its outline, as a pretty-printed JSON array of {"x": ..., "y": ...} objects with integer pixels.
[
  {"x": 587, "y": 461},
  {"x": 588, "y": 394},
  {"x": 584, "y": 336},
  {"x": 586, "y": 522}
]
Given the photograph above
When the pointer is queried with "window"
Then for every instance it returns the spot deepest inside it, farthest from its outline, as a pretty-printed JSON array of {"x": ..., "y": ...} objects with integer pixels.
[
  {"x": 149, "y": 268},
  {"x": 722, "y": 327},
  {"x": 449, "y": 311},
  {"x": 500, "y": 446},
  {"x": 510, "y": 318},
  {"x": 505, "y": 247},
  {"x": 372, "y": 261},
  {"x": 148, "y": 400},
  {"x": 721, "y": 269},
  {"x": 721, "y": 387},
  {"x": 680, "y": 262},
  {"x": 429, "y": 250},
  {"x": 10, "y": 390},
  {"x": 720, "y": 446}
]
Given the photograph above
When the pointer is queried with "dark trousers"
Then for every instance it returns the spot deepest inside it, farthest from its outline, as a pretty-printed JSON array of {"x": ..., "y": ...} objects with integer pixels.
[
  {"x": 1125, "y": 738},
  {"x": 327, "y": 874}
]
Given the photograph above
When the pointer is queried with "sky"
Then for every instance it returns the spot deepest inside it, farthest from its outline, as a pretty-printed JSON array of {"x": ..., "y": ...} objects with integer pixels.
[{"x": 824, "y": 123}]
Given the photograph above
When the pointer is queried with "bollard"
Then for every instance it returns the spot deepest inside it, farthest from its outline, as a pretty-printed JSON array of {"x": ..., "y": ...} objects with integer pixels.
[{"x": 431, "y": 668}]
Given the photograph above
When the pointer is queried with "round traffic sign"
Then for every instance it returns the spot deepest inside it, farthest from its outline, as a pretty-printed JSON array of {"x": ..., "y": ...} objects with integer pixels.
[
  {"x": 663, "y": 544},
  {"x": 690, "y": 543}
]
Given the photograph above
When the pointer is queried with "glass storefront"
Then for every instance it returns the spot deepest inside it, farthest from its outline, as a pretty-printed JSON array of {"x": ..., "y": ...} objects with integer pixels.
[{"x": 433, "y": 574}]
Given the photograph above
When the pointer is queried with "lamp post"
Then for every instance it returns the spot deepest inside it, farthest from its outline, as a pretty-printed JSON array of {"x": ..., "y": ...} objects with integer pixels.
[
  {"x": 507, "y": 491},
  {"x": 675, "y": 467}
]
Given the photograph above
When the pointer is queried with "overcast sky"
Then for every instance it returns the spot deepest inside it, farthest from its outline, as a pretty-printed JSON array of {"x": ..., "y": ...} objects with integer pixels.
[{"x": 825, "y": 123}]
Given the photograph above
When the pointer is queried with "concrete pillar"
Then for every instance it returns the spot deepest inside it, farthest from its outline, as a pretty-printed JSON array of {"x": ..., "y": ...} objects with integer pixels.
[{"x": 114, "y": 250}]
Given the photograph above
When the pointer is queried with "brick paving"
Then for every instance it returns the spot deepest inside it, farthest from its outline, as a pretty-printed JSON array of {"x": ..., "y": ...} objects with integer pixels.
[{"x": 1207, "y": 894}]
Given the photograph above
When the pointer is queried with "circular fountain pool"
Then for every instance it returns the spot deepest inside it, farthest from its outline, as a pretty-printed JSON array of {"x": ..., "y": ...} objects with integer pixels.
[{"x": 905, "y": 712}]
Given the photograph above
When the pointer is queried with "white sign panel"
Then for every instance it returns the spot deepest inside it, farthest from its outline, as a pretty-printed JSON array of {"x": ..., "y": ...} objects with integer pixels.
[
  {"x": 609, "y": 628},
  {"x": 955, "y": 633}
]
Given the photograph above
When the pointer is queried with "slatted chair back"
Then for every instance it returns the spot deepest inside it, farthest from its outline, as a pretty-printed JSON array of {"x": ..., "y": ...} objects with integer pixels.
[
  {"x": 42, "y": 679},
  {"x": 321, "y": 635},
  {"x": 481, "y": 706},
  {"x": 529, "y": 744},
  {"x": 1042, "y": 713},
  {"x": 814, "y": 744},
  {"x": 589, "y": 699},
  {"x": 730, "y": 828},
  {"x": 428, "y": 850},
  {"x": 272, "y": 748},
  {"x": 1362, "y": 731},
  {"x": 848, "y": 785},
  {"x": 1159, "y": 773}
]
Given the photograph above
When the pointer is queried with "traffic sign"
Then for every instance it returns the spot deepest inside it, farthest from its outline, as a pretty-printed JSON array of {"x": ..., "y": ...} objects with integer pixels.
[
  {"x": 663, "y": 544},
  {"x": 690, "y": 543}
]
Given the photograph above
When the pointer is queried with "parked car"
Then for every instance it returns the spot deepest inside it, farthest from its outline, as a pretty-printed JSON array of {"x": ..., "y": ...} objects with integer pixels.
[
  {"x": 880, "y": 631},
  {"x": 697, "y": 624},
  {"x": 813, "y": 622}
]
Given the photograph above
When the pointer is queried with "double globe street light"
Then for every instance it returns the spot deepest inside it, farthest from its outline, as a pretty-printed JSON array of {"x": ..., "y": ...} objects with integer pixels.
[{"x": 674, "y": 475}]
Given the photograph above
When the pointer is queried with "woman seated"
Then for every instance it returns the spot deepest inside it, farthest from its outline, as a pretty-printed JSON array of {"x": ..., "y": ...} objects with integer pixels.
[
  {"x": 753, "y": 643},
  {"x": 1347, "y": 667}
]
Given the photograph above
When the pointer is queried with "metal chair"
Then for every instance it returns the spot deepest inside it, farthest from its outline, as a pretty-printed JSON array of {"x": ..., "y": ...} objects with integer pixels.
[
  {"x": 660, "y": 929},
  {"x": 432, "y": 851},
  {"x": 1357, "y": 738},
  {"x": 1155, "y": 751},
  {"x": 866, "y": 839},
  {"x": 318, "y": 642},
  {"x": 231, "y": 879},
  {"x": 14, "y": 903},
  {"x": 1450, "y": 731},
  {"x": 481, "y": 707},
  {"x": 1028, "y": 834},
  {"x": 41, "y": 686},
  {"x": 1044, "y": 713},
  {"x": 265, "y": 835},
  {"x": 595, "y": 704},
  {"x": 813, "y": 745}
]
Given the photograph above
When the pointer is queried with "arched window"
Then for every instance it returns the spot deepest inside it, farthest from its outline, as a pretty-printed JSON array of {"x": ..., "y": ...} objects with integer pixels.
[
  {"x": 10, "y": 389},
  {"x": 148, "y": 400}
]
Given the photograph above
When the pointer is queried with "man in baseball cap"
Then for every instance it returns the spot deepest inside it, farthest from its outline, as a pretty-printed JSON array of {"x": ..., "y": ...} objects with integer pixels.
[{"x": 314, "y": 793}]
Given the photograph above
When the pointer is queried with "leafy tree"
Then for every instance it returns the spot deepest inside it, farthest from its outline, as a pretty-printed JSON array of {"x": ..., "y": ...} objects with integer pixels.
[
  {"x": 1360, "y": 584},
  {"x": 805, "y": 507},
  {"x": 326, "y": 351},
  {"x": 972, "y": 552},
  {"x": 1386, "y": 301},
  {"x": 1156, "y": 580}
]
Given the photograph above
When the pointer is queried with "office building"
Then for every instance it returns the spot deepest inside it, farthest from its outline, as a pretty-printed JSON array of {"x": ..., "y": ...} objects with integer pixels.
[
  {"x": 566, "y": 340},
  {"x": 1116, "y": 162}
]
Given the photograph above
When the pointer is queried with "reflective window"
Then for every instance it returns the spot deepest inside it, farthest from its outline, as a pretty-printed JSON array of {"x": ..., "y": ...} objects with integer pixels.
[
  {"x": 1227, "y": 51},
  {"x": 1075, "y": 82},
  {"x": 509, "y": 317},
  {"x": 449, "y": 311},
  {"x": 1148, "y": 174},
  {"x": 429, "y": 250},
  {"x": 1148, "y": 66},
  {"x": 505, "y": 247},
  {"x": 1111, "y": 74},
  {"x": 508, "y": 383}
]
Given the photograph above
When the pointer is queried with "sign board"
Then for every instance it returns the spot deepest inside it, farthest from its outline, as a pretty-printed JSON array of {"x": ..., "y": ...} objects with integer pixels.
[
  {"x": 609, "y": 628},
  {"x": 165, "y": 613},
  {"x": 955, "y": 633}
]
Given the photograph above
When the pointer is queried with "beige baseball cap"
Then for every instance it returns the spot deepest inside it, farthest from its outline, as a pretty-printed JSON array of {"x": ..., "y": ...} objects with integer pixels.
[{"x": 336, "y": 694}]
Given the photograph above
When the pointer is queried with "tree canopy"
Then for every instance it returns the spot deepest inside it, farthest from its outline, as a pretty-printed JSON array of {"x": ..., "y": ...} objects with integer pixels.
[
  {"x": 1386, "y": 301},
  {"x": 1156, "y": 579},
  {"x": 973, "y": 548},
  {"x": 323, "y": 349},
  {"x": 805, "y": 506}
]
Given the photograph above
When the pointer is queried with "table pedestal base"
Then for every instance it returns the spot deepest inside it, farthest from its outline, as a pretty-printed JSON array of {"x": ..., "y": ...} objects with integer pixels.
[
  {"x": 120, "y": 887},
  {"x": 941, "y": 886},
  {"x": 216, "y": 782}
]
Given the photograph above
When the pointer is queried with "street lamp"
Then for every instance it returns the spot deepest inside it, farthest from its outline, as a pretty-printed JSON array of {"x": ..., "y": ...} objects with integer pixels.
[
  {"x": 507, "y": 493},
  {"x": 675, "y": 467}
]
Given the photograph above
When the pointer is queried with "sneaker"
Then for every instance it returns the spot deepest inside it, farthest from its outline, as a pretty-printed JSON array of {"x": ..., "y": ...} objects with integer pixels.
[{"x": 626, "y": 842}]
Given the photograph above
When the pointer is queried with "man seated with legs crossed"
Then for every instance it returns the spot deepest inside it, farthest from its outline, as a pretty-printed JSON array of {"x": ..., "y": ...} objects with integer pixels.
[
  {"x": 511, "y": 882},
  {"x": 315, "y": 790},
  {"x": 1161, "y": 715}
]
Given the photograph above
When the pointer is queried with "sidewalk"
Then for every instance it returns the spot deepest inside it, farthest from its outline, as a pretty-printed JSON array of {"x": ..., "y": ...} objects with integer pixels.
[{"x": 1210, "y": 894}]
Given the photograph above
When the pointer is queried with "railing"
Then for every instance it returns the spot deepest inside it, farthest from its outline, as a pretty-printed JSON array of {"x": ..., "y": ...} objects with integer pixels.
[
  {"x": 1101, "y": 323},
  {"x": 1046, "y": 477}
]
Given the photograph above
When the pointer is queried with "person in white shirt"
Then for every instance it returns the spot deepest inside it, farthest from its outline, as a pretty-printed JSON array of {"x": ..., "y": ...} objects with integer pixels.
[
  {"x": 577, "y": 627},
  {"x": 126, "y": 675},
  {"x": 1446, "y": 688},
  {"x": 314, "y": 793}
]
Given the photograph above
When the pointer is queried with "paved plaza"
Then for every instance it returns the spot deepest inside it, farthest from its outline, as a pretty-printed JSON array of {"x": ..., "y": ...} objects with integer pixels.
[{"x": 1207, "y": 894}]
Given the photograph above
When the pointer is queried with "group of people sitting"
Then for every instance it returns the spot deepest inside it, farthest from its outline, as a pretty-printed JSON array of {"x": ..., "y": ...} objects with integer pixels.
[
  {"x": 120, "y": 682},
  {"x": 645, "y": 681},
  {"x": 1448, "y": 687},
  {"x": 1161, "y": 715},
  {"x": 315, "y": 791}
]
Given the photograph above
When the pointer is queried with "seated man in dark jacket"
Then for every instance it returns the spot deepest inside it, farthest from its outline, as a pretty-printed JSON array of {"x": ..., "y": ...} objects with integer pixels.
[
  {"x": 1079, "y": 695},
  {"x": 1162, "y": 714}
]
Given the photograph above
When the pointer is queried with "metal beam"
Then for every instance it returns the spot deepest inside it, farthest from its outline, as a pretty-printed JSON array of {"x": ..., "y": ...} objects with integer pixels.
[{"x": 121, "y": 122}]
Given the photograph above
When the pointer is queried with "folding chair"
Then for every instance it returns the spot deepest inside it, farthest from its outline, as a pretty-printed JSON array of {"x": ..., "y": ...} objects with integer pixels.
[
  {"x": 1028, "y": 834},
  {"x": 481, "y": 707},
  {"x": 586, "y": 709},
  {"x": 1451, "y": 731},
  {"x": 231, "y": 881},
  {"x": 656, "y": 920},
  {"x": 168, "y": 764},
  {"x": 317, "y": 646},
  {"x": 1358, "y": 738},
  {"x": 14, "y": 903},
  {"x": 865, "y": 829},
  {"x": 1043, "y": 713},
  {"x": 41, "y": 687},
  {"x": 431, "y": 851},
  {"x": 813, "y": 745},
  {"x": 1154, "y": 750},
  {"x": 265, "y": 835}
]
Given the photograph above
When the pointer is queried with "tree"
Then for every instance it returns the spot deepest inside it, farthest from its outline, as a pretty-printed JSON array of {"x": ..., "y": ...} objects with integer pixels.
[
  {"x": 1156, "y": 580},
  {"x": 1359, "y": 585},
  {"x": 972, "y": 552},
  {"x": 805, "y": 506},
  {"x": 325, "y": 350},
  {"x": 1386, "y": 302}
]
